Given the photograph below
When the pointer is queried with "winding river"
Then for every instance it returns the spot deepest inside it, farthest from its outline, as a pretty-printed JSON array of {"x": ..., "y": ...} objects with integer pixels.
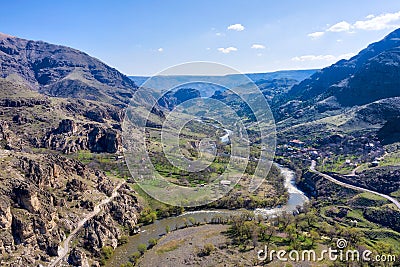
[{"x": 158, "y": 228}]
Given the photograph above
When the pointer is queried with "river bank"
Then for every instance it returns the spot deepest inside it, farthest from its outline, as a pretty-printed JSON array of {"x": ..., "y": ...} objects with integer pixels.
[{"x": 160, "y": 227}]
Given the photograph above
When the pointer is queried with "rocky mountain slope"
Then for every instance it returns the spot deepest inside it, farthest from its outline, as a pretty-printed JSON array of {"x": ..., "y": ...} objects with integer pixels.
[
  {"x": 371, "y": 75},
  {"x": 46, "y": 189},
  {"x": 57, "y": 104},
  {"x": 61, "y": 71}
]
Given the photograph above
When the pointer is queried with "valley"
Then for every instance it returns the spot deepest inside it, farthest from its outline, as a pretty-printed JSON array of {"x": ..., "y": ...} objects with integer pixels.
[{"x": 96, "y": 170}]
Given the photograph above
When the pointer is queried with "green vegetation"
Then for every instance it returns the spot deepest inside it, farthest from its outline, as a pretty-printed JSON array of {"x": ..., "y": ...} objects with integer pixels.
[
  {"x": 123, "y": 240},
  {"x": 106, "y": 253},
  {"x": 170, "y": 246},
  {"x": 152, "y": 242},
  {"x": 391, "y": 159},
  {"x": 206, "y": 250},
  {"x": 142, "y": 248}
]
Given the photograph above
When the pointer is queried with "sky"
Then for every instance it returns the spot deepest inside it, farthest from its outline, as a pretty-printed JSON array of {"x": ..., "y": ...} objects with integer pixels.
[{"x": 145, "y": 37}]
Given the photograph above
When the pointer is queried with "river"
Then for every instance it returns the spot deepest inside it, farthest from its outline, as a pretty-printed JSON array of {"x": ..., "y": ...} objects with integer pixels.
[{"x": 158, "y": 228}]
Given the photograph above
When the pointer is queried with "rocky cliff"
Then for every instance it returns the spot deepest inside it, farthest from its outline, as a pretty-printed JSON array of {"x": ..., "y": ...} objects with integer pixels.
[
  {"x": 43, "y": 196},
  {"x": 46, "y": 187}
]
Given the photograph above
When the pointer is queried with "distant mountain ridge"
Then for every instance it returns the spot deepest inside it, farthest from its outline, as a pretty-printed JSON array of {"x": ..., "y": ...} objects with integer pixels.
[
  {"x": 61, "y": 71},
  {"x": 230, "y": 80}
]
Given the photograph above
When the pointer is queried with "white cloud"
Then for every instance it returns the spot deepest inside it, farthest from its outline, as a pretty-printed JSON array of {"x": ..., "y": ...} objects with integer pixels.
[
  {"x": 236, "y": 27},
  {"x": 227, "y": 50},
  {"x": 160, "y": 49},
  {"x": 381, "y": 22},
  {"x": 322, "y": 57},
  {"x": 342, "y": 26},
  {"x": 258, "y": 46},
  {"x": 218, "y": 34},
  {"x": 370, "y": 23},
  {"x": 313, "y": 58},
  {"x": 315, "y": 35}
]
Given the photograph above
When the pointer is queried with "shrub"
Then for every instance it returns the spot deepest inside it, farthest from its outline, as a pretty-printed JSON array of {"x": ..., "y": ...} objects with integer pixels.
[
  {"x": 206, "y": 250},
  {"x": 134, "y": 257},
  {"x": 107, "y": 252},
  {"x": 142, "y": 248},
  {"x": 152, "y": 242},
  {"x": 123, "y": 240}
]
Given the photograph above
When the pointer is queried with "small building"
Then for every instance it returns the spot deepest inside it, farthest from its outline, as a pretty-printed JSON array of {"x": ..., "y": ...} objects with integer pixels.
[
  {"x": 375, "y": 163},
  {"x": 296, "y": 143},
  {"x": 225, "y": 182}
]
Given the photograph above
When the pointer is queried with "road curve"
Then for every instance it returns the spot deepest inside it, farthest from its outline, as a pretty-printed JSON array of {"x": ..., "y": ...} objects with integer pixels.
[
  {"x": 333, "y": 180},
  {"x": 64, "y": 248}
]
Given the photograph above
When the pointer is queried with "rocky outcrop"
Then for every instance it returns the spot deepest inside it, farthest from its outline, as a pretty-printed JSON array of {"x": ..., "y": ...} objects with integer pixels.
[
  {"x": 5, "y": 213},
  {"x": 103, "y": 229},
  {"x": 99, "y": 232},
  {"x": 70, "y": 137},
  {"x": 23, "y": 102},
  {"x": 8, "y": 139},
  {"x": 47, "y": 197},
  {"x": 27, "y": 198},
  {"x": 124, "y": 208},
  {"x": 104, "y": 140},
  {"x": 66, "y": 126},
  {"x": 78, "y": 258}
]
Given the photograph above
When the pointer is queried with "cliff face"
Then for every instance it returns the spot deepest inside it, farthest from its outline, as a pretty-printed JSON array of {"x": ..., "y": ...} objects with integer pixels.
[
  {"x": 44, "y": 193},
  {"x": 43, "y": 197}
]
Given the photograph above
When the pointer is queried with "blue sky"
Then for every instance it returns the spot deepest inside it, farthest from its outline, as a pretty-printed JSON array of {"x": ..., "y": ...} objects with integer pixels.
[{"x": 144, "y": 37}]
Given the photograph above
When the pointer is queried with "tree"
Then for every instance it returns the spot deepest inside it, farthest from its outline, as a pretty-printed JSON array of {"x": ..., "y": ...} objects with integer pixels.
[
  {"x": 314, "y": 236},
  {"x": 123, "y": 240},
  {"x": 107, "y": 252},
  {"x": 152, "y": 242},
  {"x": 254, "y": 235},
  {"x": 206, "y": 250},
  {"x": 311, "y": 218},
  {"x": 134, "y": 257},
  {"x": 142, "y": 248}
]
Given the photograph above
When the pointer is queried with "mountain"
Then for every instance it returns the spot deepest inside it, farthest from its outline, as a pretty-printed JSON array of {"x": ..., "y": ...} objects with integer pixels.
[
  {"x": 60, "y": 150},
  {"x": 162, "y": 83},
  {"x": 371, "y": 75},
  {"x": 172, "y": 99},
  {"x": 61, "y": 71}
]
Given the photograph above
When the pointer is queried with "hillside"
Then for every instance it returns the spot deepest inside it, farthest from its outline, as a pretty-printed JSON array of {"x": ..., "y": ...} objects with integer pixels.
[
  {"x": 61, "y": 71},
  {"x": 371, "y": 75}
]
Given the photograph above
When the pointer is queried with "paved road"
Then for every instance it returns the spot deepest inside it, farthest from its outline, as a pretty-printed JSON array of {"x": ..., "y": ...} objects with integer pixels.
[
  {"x": 64, "y": 248},
  {"x": 330, "y": 178}
]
